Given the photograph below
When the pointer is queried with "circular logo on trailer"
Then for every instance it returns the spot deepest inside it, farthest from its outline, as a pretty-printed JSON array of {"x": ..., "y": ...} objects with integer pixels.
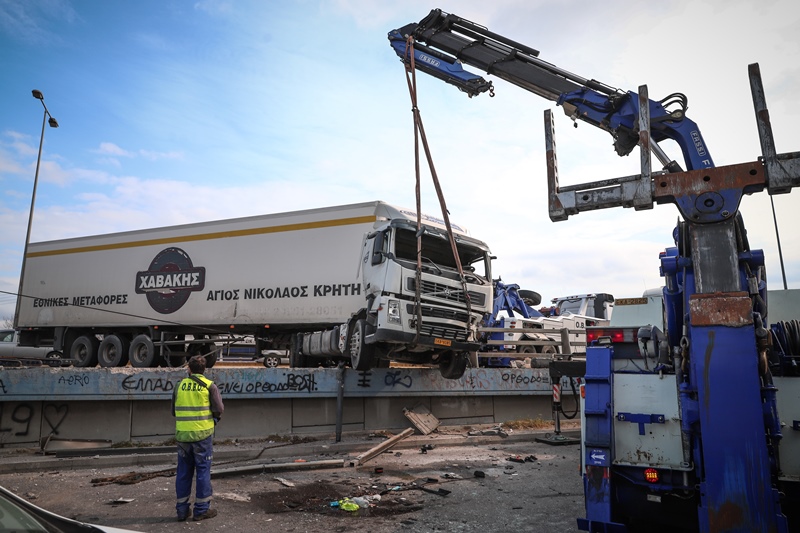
[{"x": 170, "y": 280}]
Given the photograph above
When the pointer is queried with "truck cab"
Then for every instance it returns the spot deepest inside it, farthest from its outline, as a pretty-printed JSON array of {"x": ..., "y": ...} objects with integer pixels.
[{"x": 426, "y": 317}]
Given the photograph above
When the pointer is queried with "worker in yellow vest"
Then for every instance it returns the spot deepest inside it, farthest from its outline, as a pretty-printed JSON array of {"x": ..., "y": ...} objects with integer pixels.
[{"x": 197, "y": 407}]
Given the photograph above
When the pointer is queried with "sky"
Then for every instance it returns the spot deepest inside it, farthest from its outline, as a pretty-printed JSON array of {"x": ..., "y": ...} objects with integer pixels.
[{"x": 174, "y": 112}]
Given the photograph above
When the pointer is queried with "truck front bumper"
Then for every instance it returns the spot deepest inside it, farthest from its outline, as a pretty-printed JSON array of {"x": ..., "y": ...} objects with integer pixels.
[{"x": 432, "y": 343}]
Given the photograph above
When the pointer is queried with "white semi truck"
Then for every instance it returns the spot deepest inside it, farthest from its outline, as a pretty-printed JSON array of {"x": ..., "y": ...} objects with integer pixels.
[{"x": 329, "y": 284}]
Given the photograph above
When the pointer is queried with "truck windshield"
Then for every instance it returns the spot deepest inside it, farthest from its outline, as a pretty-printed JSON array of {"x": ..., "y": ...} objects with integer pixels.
[{"x": 437, "y": 252}]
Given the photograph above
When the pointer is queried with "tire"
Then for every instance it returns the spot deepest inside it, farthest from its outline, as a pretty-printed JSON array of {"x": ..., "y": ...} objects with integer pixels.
[
  {"x": 54, "y": 359},
  {"x": 362, "y": 355},
  {"x": 271, "y": 361},
  {"x": 211, "y": 359},
  {"x": 548, "y": 350},
  {"x": 532, "y": 296},
  {"x": 113, "y": 351},
  {"x": 83, "y": 351},
  {"x": 209, "y": 351},
  {"x": 526, "y": 349},
  {"x": 453, "y": 365},
  {"x": 142, "y": 353}
]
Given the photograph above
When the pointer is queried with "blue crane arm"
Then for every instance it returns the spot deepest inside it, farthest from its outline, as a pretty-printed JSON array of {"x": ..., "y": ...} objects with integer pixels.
[{"x": 443, "y": 41}]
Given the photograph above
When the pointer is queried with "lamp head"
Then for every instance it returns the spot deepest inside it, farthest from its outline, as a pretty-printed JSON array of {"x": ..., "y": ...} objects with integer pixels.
[
  {"x": 53, "y": 122},
  {"x": 37, "y": 94}
]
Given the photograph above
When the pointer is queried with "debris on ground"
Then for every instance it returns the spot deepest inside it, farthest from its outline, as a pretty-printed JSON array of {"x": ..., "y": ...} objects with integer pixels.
[
  {"x": 520, "y": 459},
  {"x": 231, "y": 496},
  {"x": 422, "y": 419},
  {"x": 132, "y": 477},
  {"x": 495, "y": 431},
  {"x": 120, "y": 501},
  {"x": 382, "y": 447}
]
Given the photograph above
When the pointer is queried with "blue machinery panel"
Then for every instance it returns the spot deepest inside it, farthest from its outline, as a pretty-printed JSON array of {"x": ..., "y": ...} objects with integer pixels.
[{"x": 32, "y": 384}]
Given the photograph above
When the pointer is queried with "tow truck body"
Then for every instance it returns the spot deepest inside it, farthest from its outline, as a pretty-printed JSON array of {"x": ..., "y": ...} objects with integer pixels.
[
  {"x": 682, "y": 427},
  {"x": 543, "y": 334}
]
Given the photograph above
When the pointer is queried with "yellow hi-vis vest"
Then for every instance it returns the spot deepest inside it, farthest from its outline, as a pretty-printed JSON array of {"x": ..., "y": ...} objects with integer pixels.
[{"x": 193, "y": 419}]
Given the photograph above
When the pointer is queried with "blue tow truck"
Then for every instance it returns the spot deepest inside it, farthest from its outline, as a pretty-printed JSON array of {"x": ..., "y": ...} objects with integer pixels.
[{"x": 695, "y": 427}]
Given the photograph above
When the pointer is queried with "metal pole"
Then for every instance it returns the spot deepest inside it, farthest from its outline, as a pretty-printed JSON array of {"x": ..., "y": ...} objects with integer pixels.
[
  {"x": 778, "y": 238},
  {"x": 339, "y": 401},
  {"x": 53, "y": 123}
]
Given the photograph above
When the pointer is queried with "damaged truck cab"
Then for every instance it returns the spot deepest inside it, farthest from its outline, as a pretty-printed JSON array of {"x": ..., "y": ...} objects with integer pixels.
[{"x": 416, "y": 311}]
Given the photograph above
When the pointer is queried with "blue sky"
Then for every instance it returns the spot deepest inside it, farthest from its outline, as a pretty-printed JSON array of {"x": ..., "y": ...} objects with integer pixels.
[{"x": 177, "y": 111}]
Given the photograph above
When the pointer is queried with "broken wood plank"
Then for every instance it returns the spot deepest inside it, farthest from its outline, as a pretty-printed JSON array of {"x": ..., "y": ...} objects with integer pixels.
[
  {"x": 275, "y": 467},
  {"x": 382, "y": 447}
]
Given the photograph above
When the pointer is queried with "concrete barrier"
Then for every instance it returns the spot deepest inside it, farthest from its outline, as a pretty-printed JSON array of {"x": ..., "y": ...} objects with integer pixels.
[{"x": 126, "y": 404}]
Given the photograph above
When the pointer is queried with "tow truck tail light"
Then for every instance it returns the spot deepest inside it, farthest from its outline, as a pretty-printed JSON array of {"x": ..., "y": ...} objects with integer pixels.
[
  {"x": 616, "y": 335},
  {"x": 651, "y": 475}
]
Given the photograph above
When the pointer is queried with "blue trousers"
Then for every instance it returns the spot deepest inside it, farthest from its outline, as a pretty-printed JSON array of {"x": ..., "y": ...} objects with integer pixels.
[{"x": 194, "y": 458}]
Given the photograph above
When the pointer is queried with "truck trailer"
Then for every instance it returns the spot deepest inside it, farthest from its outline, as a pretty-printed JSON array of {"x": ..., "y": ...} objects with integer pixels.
[{"x": 329, "y": 285}]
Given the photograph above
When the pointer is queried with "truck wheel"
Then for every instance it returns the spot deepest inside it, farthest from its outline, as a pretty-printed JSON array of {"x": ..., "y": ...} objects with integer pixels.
[
  {"x": 113, "y": 351},
  {"x": 211, "y": 355},
  {"x": 548, "y": 350},
  {"x": 453, "y": 365},
  {"x": 361, "y": 354},
  {"x": 209, "y": 351},
  {"x": 142, "y": 353},
  {"x": 84, "y": 351},
  {"x": 271, "y": 361}
]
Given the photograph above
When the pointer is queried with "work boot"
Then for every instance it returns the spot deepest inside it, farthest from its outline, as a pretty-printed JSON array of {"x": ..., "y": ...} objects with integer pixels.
[
  {"x": 211, "y": 513},
  {"x": 183, "y": 517}
]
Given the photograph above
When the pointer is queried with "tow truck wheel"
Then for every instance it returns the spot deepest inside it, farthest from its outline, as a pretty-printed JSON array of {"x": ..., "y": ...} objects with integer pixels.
[
  {"x": 113, "y": 351},
  {"x": 361, "y": 354},
  {"x": 142, "y": 353},
  {"x": 453, "y": 365},
  {"x": 84, "y": 351}
]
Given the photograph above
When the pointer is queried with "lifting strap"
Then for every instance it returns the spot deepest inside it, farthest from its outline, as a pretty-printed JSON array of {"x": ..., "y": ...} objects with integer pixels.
[{"x": 419, "y": 134}]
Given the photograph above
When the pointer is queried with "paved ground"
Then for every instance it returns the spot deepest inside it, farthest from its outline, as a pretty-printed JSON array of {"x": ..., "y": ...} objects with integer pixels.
[{"x": 486, "y": 484}]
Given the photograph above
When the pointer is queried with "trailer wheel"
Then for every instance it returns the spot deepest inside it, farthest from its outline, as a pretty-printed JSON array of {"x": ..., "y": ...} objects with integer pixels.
[
  {"x": 361, "y": 354},
  {"x": 210, "y": 352},
  {"x": 453, "y": 365},
  {"x": 142, "y": 352},
  {"x": 84, "y": 351},
  {"x": 113, "y": 351}
]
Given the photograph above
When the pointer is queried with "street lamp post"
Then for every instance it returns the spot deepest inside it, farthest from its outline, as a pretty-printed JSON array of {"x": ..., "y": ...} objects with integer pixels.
[{"x": 53, "y": 124}]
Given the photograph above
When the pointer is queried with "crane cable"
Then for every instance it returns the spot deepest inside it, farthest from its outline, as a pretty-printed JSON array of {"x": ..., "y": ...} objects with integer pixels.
[{"x": 419, "y": 135}]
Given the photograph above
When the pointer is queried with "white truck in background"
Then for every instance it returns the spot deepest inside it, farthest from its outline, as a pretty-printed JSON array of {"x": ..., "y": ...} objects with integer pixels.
[{"x": 330, "y": 284}]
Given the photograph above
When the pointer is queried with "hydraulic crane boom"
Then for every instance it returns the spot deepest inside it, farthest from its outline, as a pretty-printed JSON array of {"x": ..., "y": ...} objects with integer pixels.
[{"x": 442, "y": 40}]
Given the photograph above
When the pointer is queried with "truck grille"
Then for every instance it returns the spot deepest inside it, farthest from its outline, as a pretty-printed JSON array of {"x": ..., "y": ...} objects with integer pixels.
[
  {"x": 438, "y": 312},
  {"x": 442, "y": 332},
  {"x": 445, "y": 292}
]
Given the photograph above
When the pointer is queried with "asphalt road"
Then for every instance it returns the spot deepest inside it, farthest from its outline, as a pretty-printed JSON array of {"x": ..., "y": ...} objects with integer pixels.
[{"x": 486, "y": 484}]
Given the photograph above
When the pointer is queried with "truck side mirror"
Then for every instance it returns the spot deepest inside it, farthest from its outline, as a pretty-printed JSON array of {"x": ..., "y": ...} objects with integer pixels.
[{"x": 377, "y": 248}]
